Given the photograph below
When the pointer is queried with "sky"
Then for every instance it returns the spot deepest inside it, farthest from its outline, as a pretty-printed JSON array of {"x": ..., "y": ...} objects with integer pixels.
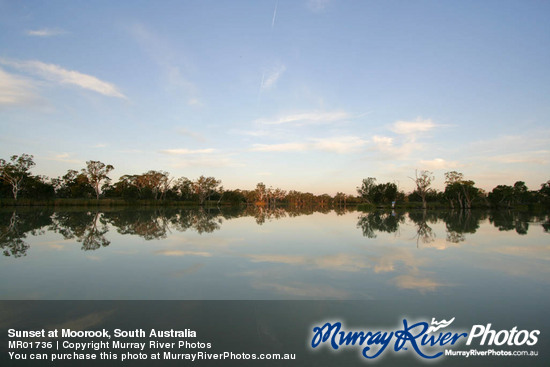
[{"x": 310, "y": 95}]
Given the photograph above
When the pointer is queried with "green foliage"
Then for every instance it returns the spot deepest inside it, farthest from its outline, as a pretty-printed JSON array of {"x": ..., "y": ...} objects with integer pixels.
[
  {"x": 16, "y": 171},
  {"x": 153, "y": 187},
  {"x": 373, "y": 193}
]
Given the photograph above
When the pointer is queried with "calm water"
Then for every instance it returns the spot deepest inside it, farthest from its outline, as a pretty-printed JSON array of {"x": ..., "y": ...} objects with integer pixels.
[{"x": 275, "y": 255}]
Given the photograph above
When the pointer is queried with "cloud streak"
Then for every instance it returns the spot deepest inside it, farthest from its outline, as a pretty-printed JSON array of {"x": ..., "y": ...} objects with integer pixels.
[
  {"x": 439, "y": 163},
  {"x": 306, "y": 118},
  {"x": 541, "y": 157},
  {"x": 340, "y": 145},
  {"x": 272, "y": 78},
  {"x": 187, "y": 151},
  {"x": 57, "y": 74},
  {"x": 44, "y": 32},
  {"x": 317, "y": 6},
  {"x": 174, "y": 67},
  {"x": 412, "y": 127},
  {"x": 15, "y": 90}
]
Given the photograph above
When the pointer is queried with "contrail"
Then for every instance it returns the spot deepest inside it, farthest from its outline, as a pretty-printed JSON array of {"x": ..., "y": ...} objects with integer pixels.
[{"x": 274, "y": 14}]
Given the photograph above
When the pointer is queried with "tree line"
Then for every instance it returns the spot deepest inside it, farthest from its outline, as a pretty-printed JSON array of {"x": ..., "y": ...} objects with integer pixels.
[{"x": 93, "y": 182}]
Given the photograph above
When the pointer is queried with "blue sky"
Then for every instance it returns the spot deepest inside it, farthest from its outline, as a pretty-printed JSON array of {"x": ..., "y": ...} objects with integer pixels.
[{"x": 307, "y": 95}]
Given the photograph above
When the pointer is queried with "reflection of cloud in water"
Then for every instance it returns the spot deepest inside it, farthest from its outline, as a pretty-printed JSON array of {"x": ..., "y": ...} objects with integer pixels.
[
  {"x": 538, "y": 271},
  {"x": 441, "y": 244},
  {"x": 93, "y": 258},
  {"x": 182, "y": 253},
  {"x": 303, "y": 290},
  {"x": 386, "y": 262},
  {"x": 210, "y": 241},
  {"x": 339, "y": 262},
  {"x": 85, "y": 322},
  {"x": 413, "y": 281},
  {"x": 189, "y": 270},
  {"x": 541, "y": 252}
]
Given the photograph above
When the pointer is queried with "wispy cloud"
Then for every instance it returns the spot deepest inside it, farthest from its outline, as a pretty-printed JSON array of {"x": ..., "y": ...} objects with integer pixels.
[
  {"x": 15, "y": 90},
  {"x": 60, "y": 75},
  {"x": 541, "y": 157},
  {"x": 439, "y": 163},
  {"x": 188, "y": 151},
  {"x": 194, "y": 102},
  {"x": 64, "y": 157},
  {"x": 284, "y": 147},
  {"x": 340, "y": 145},
  {"x": 390, "y": 149},
  {"x": 173, "y": 66},
  {"x": 317, "y": 117},
  {"x": 317, "y": 5},
  {"x": 412, "y": 127},
  {"x": 269, "y": 80},
  {"x": 44, "y": 32},
  {"x": 191, "y": 134},
  {"x": 206, "y": 161}
]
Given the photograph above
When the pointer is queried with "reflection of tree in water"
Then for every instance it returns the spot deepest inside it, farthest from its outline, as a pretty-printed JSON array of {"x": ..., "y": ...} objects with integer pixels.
[
  {"x": 373, "y": 222},
  {"x": 263, "y": 214},
  {"x": 424, "y": 233},
  {"x": 506, "y": 220},
  {"x": 15, "y": 226},
  {"x": 86, "y": 227},
  {"x": 202, "y": 220},
  {"x": 460, "y": 222},
  {"x": 206, "y": 222},
  {"x": 149, "y": 223},
  {"x": 546, "y": 225},
  {"x": 341, "y": 210}
]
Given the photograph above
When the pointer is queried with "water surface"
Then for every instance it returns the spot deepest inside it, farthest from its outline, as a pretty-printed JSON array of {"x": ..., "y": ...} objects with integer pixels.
[{"x": 259, "y": 254}]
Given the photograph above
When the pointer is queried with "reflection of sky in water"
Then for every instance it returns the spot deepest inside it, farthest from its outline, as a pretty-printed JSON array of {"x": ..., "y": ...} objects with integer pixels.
[{"x": 317, "y": 256}]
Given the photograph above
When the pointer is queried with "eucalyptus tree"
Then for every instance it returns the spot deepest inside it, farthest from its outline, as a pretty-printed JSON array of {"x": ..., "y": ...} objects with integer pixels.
[
  {"x": 204, "y": 187},
  {"x": 97, "y": 172},
  {"x": 16, "y": 171},
  {"x": 184, "y": 188},
  {"x": 261, "y": 193},
  {"x": 464, "y": 191},
  {"x": 423, "y": 183},
  {"x": 340, "y": 198},
  {"x": 368, "y": 189}
]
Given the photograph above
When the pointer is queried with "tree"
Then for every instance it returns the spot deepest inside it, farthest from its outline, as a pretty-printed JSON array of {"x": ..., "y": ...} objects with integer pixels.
[
  {"x": 16, "y": 171},
  {"x": 204, "y": 187},
  {"x": 184, "y": 188},
  {"x": 470, "y": 192},
  {"x": 261, "y": 193},
  {"x": 521, "y": 193},
  {"x": 367, "y": 189},
  {"x": 38, "y": 187},
  {"x": 96, "y": 172},
  {"x": 502, "y": 194},
  {"x": 452, "y": 187},
  {"x": 463, "y": 190},
  {"x": 544, "y": 193},
  {"x": 423, "y": 183}
]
